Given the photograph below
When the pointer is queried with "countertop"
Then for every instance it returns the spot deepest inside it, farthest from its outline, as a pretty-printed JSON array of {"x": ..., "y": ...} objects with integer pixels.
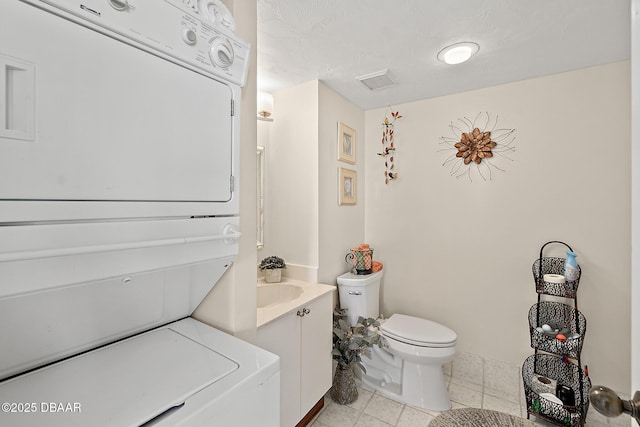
[{"x": 310, "y": 291}]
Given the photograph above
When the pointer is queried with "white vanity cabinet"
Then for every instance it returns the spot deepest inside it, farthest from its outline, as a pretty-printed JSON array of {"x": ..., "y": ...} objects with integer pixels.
[
  {"x": 315, "y": 352},
  {"x": 302, "y": 337}
]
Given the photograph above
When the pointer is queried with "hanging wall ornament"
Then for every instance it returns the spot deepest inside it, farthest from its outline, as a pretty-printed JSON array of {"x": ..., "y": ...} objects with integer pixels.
[
  {"x": 388, "y": 147},
  {"x": 477, "y": 146}
]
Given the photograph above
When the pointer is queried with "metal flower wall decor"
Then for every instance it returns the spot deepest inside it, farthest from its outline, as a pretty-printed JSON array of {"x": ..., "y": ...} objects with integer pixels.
[
  {"x": 388, "y": 147},
  {"x": 475, "y": 146}
]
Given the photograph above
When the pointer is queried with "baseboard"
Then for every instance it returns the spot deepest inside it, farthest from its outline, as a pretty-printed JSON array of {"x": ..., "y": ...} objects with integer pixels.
[{"x": 312, "y": 413}]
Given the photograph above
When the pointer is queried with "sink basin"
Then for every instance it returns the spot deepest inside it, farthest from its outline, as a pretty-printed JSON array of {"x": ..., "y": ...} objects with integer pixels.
[{"x": 277, "y": 293}]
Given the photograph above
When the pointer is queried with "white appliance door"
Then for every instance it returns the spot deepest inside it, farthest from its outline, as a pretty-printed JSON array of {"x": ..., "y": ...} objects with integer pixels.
[
  {"x": 87, "y": 118},
  {"x": 125, "y": 384}
]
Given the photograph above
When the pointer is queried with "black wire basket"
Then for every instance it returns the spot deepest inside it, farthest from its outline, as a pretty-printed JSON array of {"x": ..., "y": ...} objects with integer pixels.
[
  {"x": 561, "y": 319},
  {"x": 553, "y": 265},
  {"x": 564, "y": 373}
]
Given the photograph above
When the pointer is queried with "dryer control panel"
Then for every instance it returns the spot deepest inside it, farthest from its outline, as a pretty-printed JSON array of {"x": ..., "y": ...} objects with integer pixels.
[{"x": 199, "y": 33}]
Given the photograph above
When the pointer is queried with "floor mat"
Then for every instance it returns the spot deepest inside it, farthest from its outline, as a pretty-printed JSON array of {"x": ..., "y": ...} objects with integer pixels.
[{"x": 473, "y": 417}]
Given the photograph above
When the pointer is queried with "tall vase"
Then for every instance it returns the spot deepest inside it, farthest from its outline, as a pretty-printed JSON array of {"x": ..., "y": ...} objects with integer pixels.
[
  {"x": 344, "y": 390},
  {"x": 571, "y": 267}
]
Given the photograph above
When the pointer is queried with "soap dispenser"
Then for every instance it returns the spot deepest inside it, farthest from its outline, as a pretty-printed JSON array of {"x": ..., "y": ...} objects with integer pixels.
[{"x": 571, "y": 270}]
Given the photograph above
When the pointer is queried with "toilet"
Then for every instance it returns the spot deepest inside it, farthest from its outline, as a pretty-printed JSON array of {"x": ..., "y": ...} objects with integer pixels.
[{"x": 408, "y": 367}]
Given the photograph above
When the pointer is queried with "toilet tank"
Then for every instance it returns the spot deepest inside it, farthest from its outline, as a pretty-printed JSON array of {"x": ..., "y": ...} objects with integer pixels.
[{"x": 360, "y": 295}]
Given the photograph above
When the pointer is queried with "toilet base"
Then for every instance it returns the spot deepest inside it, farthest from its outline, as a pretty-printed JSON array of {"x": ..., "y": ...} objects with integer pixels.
[
  {"x": 416, "y": 384},
  {"x": 429, "y": 391}
]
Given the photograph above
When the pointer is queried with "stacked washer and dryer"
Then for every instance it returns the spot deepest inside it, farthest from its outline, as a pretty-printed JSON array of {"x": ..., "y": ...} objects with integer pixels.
[{"x": 119, "y": 156}]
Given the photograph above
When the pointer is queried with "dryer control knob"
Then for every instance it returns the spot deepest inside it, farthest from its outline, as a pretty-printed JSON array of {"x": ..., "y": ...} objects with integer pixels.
[
  {"x": 189, "y": 36},
  {"x": 119, "y": 4},
  {"x": 221, "y": 52},
  {"x": 215, "y": 12}
]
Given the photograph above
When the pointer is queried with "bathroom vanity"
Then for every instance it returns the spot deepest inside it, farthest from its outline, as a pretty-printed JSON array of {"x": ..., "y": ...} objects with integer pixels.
[{"x": 295, "y": 322}]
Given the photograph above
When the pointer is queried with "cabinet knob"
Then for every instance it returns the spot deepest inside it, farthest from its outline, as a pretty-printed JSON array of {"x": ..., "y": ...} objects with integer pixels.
[
  {"x": 306, "y": 311},
  {"x": 300, "y": 313}
]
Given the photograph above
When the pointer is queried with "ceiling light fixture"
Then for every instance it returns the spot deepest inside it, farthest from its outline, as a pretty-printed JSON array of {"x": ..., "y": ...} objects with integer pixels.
[{"x": 458, "y": 53}]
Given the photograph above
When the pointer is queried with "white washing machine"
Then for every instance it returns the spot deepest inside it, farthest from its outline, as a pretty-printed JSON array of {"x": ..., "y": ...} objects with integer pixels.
[{"x": 119, "y": 133}]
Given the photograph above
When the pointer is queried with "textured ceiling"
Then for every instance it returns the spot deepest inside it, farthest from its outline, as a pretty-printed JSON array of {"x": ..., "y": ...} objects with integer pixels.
[{"x": 336, "y": 41}]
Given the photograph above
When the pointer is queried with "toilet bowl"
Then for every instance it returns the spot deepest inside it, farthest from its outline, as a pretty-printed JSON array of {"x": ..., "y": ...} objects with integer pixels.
[{"x": 408, "y": 366}]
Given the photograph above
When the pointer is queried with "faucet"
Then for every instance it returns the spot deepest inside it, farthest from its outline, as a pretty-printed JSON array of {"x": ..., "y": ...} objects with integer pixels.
[{"x": 609, "y": 404}]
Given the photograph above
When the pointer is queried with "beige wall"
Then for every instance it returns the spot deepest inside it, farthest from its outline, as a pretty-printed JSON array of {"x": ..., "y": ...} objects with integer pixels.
[
  {"x": 460, "y": 252},
  {"x": 303, "y": 222},
  {"x": 231, "y": 304},
  {"x": 341, "y": 227}
]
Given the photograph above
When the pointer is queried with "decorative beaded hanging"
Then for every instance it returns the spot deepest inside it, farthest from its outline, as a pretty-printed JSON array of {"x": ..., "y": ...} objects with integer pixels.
[{"x": 388, "y": 146}]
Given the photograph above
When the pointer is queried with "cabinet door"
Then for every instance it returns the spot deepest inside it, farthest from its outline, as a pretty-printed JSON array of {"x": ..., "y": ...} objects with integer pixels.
[
  {"x": 317, "y": 330},
  {"x": 282, "y": 337}
]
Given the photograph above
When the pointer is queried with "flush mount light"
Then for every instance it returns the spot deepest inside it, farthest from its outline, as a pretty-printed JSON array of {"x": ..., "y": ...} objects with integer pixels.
[{"x": 458, "y": 53}]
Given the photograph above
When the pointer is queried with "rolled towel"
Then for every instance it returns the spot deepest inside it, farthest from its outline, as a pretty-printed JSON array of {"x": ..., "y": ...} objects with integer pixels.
[{"x": 377, "y": 266}]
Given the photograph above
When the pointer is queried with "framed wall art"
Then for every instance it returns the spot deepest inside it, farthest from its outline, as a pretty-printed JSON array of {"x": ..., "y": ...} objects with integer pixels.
[
  {"x": 346, "y": 143},
  {"x": 346, "y": 186}
]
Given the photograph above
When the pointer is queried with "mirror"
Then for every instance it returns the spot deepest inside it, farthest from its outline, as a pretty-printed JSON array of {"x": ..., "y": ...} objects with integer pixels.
[{"x": 260, "y": 197}]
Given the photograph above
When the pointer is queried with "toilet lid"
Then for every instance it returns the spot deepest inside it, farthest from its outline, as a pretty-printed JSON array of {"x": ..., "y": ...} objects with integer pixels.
[{"x": 417, "y": 331}]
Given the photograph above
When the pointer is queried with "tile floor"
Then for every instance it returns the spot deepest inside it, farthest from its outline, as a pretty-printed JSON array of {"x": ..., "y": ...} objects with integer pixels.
[{"x": 487, "y": 384}]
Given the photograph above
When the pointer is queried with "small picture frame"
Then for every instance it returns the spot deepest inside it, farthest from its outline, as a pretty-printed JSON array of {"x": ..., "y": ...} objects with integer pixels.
[
  {"x": 346, "y": 143},
  {"x": 346, "y": 186}
]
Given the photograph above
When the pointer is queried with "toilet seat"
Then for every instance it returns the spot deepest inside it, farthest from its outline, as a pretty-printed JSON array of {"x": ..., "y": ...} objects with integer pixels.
[{"x": 418, "y": 332}]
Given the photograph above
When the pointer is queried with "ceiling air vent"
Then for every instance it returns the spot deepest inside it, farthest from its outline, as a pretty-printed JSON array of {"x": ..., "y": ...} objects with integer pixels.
[{"x": 377, "y": 80}]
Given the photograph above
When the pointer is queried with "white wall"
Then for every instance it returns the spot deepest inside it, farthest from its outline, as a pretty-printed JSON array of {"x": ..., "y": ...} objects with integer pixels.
[
  {"x": 460, "y": 252},
  {"x": 231, "y": 304}
]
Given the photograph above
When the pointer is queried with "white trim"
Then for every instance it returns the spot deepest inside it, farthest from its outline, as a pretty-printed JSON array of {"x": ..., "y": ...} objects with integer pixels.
[
  {"x": 113, "y": 247},
  {"x": 635, "y": 196}
]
